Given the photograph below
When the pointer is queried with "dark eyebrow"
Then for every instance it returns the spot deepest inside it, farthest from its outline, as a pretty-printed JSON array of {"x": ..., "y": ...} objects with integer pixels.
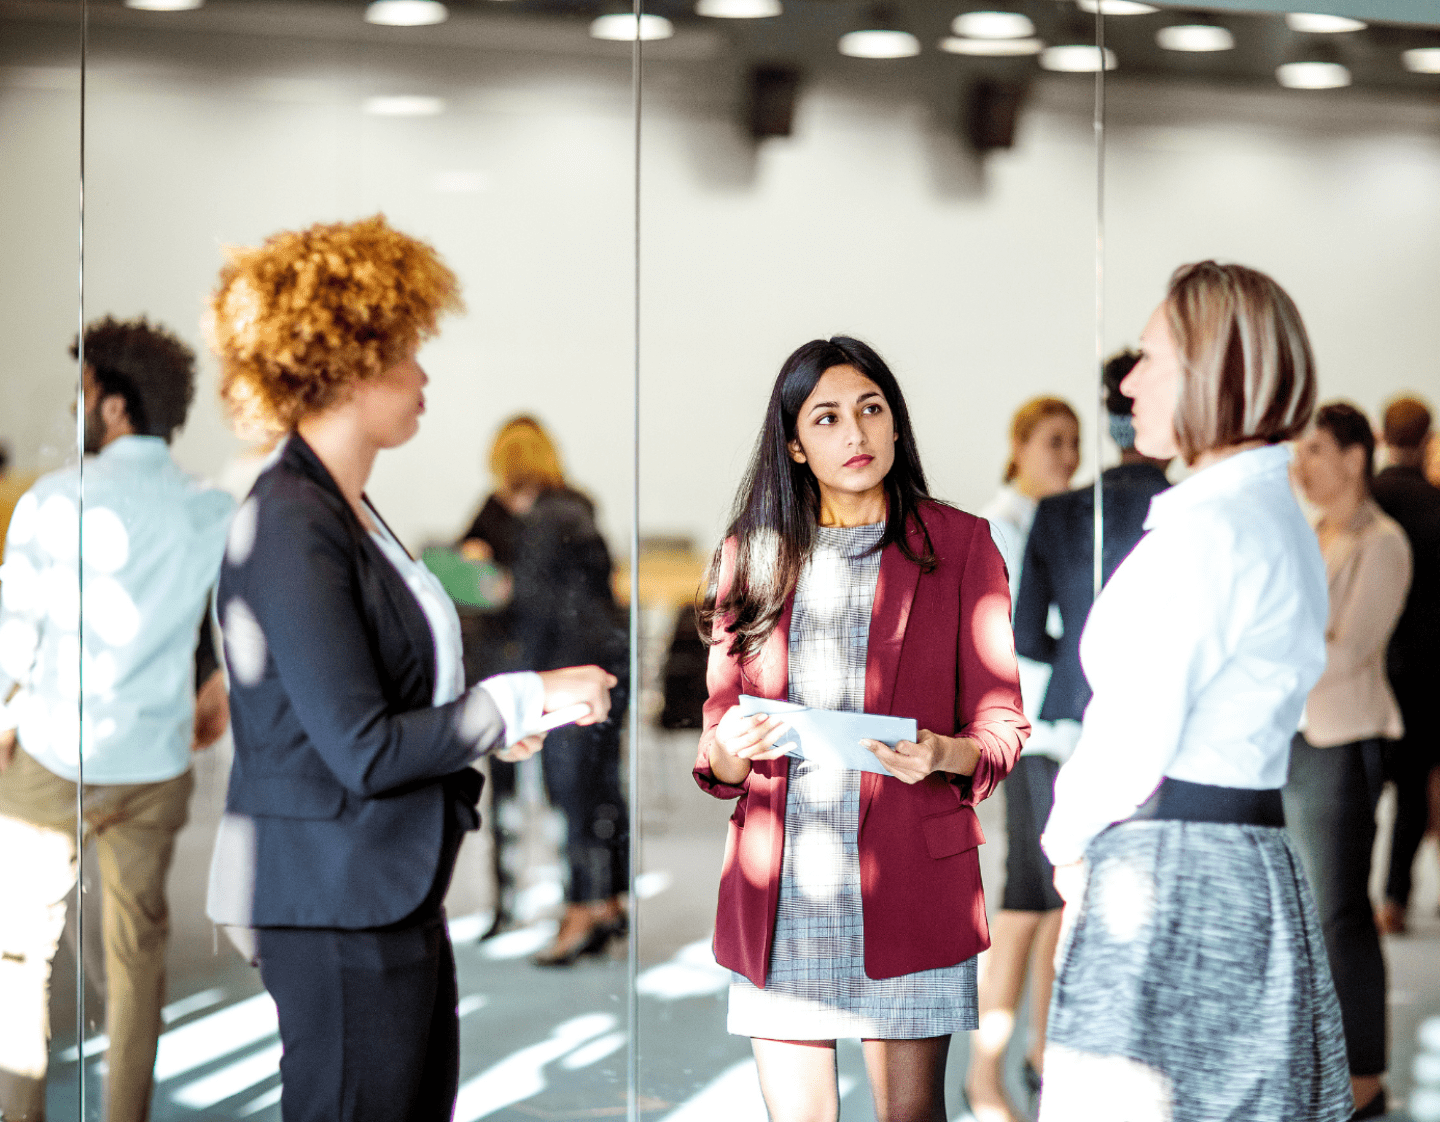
[{"x": 836, "y": 404}]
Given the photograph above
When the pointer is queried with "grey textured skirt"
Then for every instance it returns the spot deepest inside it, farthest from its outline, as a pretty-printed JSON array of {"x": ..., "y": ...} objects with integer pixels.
[{"x": 1192, "y": 985}]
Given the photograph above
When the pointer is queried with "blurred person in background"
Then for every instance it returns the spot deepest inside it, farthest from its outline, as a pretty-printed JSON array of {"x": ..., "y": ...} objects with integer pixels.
[
  {"x": 352, "y": 787},
  {"x": 1044, "y": 456},
  {"x": 149, "y": 553},
  {"x": 1191, "y": 980},
  {"x": 1337, "y": 759},
  {"x": 1406, "y": 495},
  {"x": 850, "y": 901},
  {"x": 562, "y": 611},
  {"x": 1058, "y": 576}
]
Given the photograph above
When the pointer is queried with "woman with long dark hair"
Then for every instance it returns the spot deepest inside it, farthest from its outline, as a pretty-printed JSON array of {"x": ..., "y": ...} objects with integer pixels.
[{"x": 850, "y": 901}]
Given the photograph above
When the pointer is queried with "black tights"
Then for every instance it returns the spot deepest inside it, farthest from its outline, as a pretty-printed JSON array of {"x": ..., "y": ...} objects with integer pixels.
[{"x": 907, "y": 1079}]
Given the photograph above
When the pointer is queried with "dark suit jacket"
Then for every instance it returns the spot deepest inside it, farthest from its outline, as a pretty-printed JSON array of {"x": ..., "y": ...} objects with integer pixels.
[
  {"x": 941, "y": 652},
  {"x": 1406, "y": 496},
  {"x": 1060, "y": 569},
  {"x": 357, "y": 786}
]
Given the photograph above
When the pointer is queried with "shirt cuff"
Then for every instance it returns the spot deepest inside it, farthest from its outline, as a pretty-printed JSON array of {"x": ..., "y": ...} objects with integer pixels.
[
  {"x": 520, "y": 699},
  {"x": 9, "y": 719}
]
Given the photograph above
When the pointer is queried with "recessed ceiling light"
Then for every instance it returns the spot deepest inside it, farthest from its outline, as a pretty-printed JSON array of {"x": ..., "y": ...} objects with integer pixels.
[
  {"x": 1313, "y": 75},
  {"x": 993, "y": 25},
  {"x": 1314, "y": 23},
  {"x": 1195, "y": 37},
  {"x": 163, "y": 5},
  {"x": 620, "y": 27},
  {"x": 1077, "y": 58},
  {"x": 406, "y": 13},
  {"x": 1422, "y": 60},
  {"x": 879, "y": 43},
  {"x": 991, "y": 48},
  {"x": 738, "y": 9},
  {"x": 1116, "y": 7},
  {"x": 404, "y": 105}
]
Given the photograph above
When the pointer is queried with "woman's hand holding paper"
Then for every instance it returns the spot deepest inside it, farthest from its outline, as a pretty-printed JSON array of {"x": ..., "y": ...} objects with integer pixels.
[
  {"x": 741, "y": 739},
  {"x": 911, "y": 761}
]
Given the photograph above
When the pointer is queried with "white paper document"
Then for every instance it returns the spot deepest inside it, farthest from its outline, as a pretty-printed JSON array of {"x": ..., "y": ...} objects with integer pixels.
[{"x": 829, "y": 737}]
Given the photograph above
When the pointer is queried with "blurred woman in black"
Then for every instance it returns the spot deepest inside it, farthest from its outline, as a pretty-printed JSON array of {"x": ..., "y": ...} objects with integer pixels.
[{"x": 563, "y": 603}]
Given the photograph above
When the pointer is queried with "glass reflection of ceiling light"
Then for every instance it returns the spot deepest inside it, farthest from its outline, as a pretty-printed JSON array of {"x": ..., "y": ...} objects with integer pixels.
[
  {"x": 738, "y": 9},
  {"x": 404, "y": 105},
  {"x": 406, "y": 13},
  {"x": 1313, "y": 75},
  {"x": 1116, "y": 7},
  {"x": 879, "y": 43},
  {"x": 1195, "y": 37},
  {"x": 163, "y": 5},
  {"x": 1422, "y": 60},
  {"x": 1076, "y": 58},
  {"x": 1315, "y": 23},
  {"x": 992, "y": 25},
  {"x": 619, "y": 27},
  {"x": 991, "y": 48}
]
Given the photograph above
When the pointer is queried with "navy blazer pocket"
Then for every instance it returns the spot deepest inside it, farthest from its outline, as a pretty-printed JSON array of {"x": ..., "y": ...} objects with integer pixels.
[
  {"x": 951, "y": 833},
  {"x": 287, "y": 796}
]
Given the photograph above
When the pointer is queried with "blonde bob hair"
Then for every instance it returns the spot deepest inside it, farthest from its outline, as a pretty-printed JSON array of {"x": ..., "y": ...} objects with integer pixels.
[
  {"x": 1027, "y": 419},
  {"x": 298, "y": 320},
  {"x": 523, "y": 455},
  {"x": 1247, "y": 370}
]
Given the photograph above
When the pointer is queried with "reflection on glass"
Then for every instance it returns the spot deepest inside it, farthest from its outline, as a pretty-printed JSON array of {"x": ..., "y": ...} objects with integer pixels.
[
  {"x": 39, "y": 591},
  {"x": 503, "y": 138},
  {"x": 939, "y": 206},
  {"x": 1308, "y": 150}
]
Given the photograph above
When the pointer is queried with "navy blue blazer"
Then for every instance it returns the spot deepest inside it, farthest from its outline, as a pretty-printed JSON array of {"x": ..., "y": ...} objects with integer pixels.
[
  {"x": 357, "y": 785},
  {"x": 1059, "y": 569}
]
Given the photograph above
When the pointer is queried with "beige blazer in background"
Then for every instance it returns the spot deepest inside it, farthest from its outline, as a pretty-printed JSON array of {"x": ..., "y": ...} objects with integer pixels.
[{"x": 1368, "y": 570}]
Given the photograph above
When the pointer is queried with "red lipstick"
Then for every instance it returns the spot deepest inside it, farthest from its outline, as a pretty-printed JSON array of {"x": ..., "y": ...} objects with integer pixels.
[{"x": 858, "y": 461}]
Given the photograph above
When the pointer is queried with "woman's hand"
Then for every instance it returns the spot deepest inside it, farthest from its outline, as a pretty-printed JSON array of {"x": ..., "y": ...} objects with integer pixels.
[
  {"x": 740, "y": 740},
  {"x": 579, "y": 685},
  {"x": 910, "y": 761},
  {"x": 522, "y": 749}
]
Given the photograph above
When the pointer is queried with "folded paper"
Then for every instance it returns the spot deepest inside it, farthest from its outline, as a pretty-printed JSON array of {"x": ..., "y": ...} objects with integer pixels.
[{"x": 829, "y": 737}]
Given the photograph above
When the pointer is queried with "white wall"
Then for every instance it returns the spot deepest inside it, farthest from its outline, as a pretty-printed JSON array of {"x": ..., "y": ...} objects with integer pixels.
[{"x": 977, "y": 283}]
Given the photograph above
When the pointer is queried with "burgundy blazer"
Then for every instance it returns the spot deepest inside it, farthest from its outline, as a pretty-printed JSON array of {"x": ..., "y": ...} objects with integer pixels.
[{"x": 940, "y": 651}]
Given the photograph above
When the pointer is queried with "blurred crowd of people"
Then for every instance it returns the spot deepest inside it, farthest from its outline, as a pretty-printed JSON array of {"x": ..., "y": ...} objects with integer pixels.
[{"x": 365, "y": 687}]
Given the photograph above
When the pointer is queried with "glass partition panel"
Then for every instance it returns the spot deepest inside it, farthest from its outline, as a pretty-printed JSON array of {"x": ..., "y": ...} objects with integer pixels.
[
  {"x": 40, "y": 115},
  {"x": 937, "y": 204},
  {"x": 502, "y": 137},
  {"x": 1306, "y": 146}
]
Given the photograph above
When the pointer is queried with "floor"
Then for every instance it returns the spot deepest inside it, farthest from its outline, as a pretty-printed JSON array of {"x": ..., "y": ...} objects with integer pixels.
[{"x": 552, "y": 1043}]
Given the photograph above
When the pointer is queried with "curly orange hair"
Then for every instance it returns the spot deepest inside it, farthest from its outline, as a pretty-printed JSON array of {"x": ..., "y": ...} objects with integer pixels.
[{"x": 297, "y": 320}]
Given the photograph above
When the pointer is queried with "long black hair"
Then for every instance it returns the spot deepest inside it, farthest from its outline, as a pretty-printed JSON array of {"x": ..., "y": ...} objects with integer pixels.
[{"x": 777, "y": 508}]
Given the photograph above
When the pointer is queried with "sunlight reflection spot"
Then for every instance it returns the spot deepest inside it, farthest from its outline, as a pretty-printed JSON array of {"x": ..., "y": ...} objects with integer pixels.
[
  {"x": 242, "y": 532},
  {"x": 105, "y": 540},
  {"x": 244, "y": 643},
  {"x": 1124, "y": 899}
]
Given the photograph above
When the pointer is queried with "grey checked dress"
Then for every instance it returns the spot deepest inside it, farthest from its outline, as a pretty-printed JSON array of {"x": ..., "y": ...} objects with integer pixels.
[{"x": 816, "y": 987}]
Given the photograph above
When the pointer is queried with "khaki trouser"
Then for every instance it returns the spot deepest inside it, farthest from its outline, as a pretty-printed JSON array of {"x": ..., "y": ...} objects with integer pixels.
[{"x": 134, "y": 828}]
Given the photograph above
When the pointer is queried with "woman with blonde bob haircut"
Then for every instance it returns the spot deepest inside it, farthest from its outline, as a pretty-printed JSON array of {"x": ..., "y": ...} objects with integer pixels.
[
  {"x": 1191, "y": 981},
  {"x": 351, "y": 787}
]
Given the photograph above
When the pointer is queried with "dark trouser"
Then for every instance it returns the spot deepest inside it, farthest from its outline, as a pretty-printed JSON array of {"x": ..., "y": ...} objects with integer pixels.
[
  {"x": 367, "y": 1021},
  {"x": 1330, "y": 811},
  {"x": 1029, "y": 876},
  {"x": 582, "y": 780},
  {"x": 1409, "y": 762}
]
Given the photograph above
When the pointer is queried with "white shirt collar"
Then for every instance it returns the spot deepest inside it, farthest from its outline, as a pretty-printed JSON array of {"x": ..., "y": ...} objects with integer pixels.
[
  {"x": 1227, "y": 477},
  {"x": 135, "y": 448}
]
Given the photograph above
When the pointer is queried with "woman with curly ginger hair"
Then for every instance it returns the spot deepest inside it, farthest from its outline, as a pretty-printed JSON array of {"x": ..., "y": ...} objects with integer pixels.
[{"x": 351, "y": 787}]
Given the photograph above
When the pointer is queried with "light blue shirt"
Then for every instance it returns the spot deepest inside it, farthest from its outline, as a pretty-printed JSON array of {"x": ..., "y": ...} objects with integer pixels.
[{"x": 153, "y": 537}]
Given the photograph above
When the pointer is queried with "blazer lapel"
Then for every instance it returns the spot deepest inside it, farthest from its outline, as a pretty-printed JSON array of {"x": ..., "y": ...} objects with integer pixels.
[{"x": 894, "y": 594}]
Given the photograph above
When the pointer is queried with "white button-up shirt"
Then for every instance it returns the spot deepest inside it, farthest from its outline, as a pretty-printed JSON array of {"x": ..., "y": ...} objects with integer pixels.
[
  {"x": 152, "y": 537},
  {"x": 1201, "y": 649}
]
